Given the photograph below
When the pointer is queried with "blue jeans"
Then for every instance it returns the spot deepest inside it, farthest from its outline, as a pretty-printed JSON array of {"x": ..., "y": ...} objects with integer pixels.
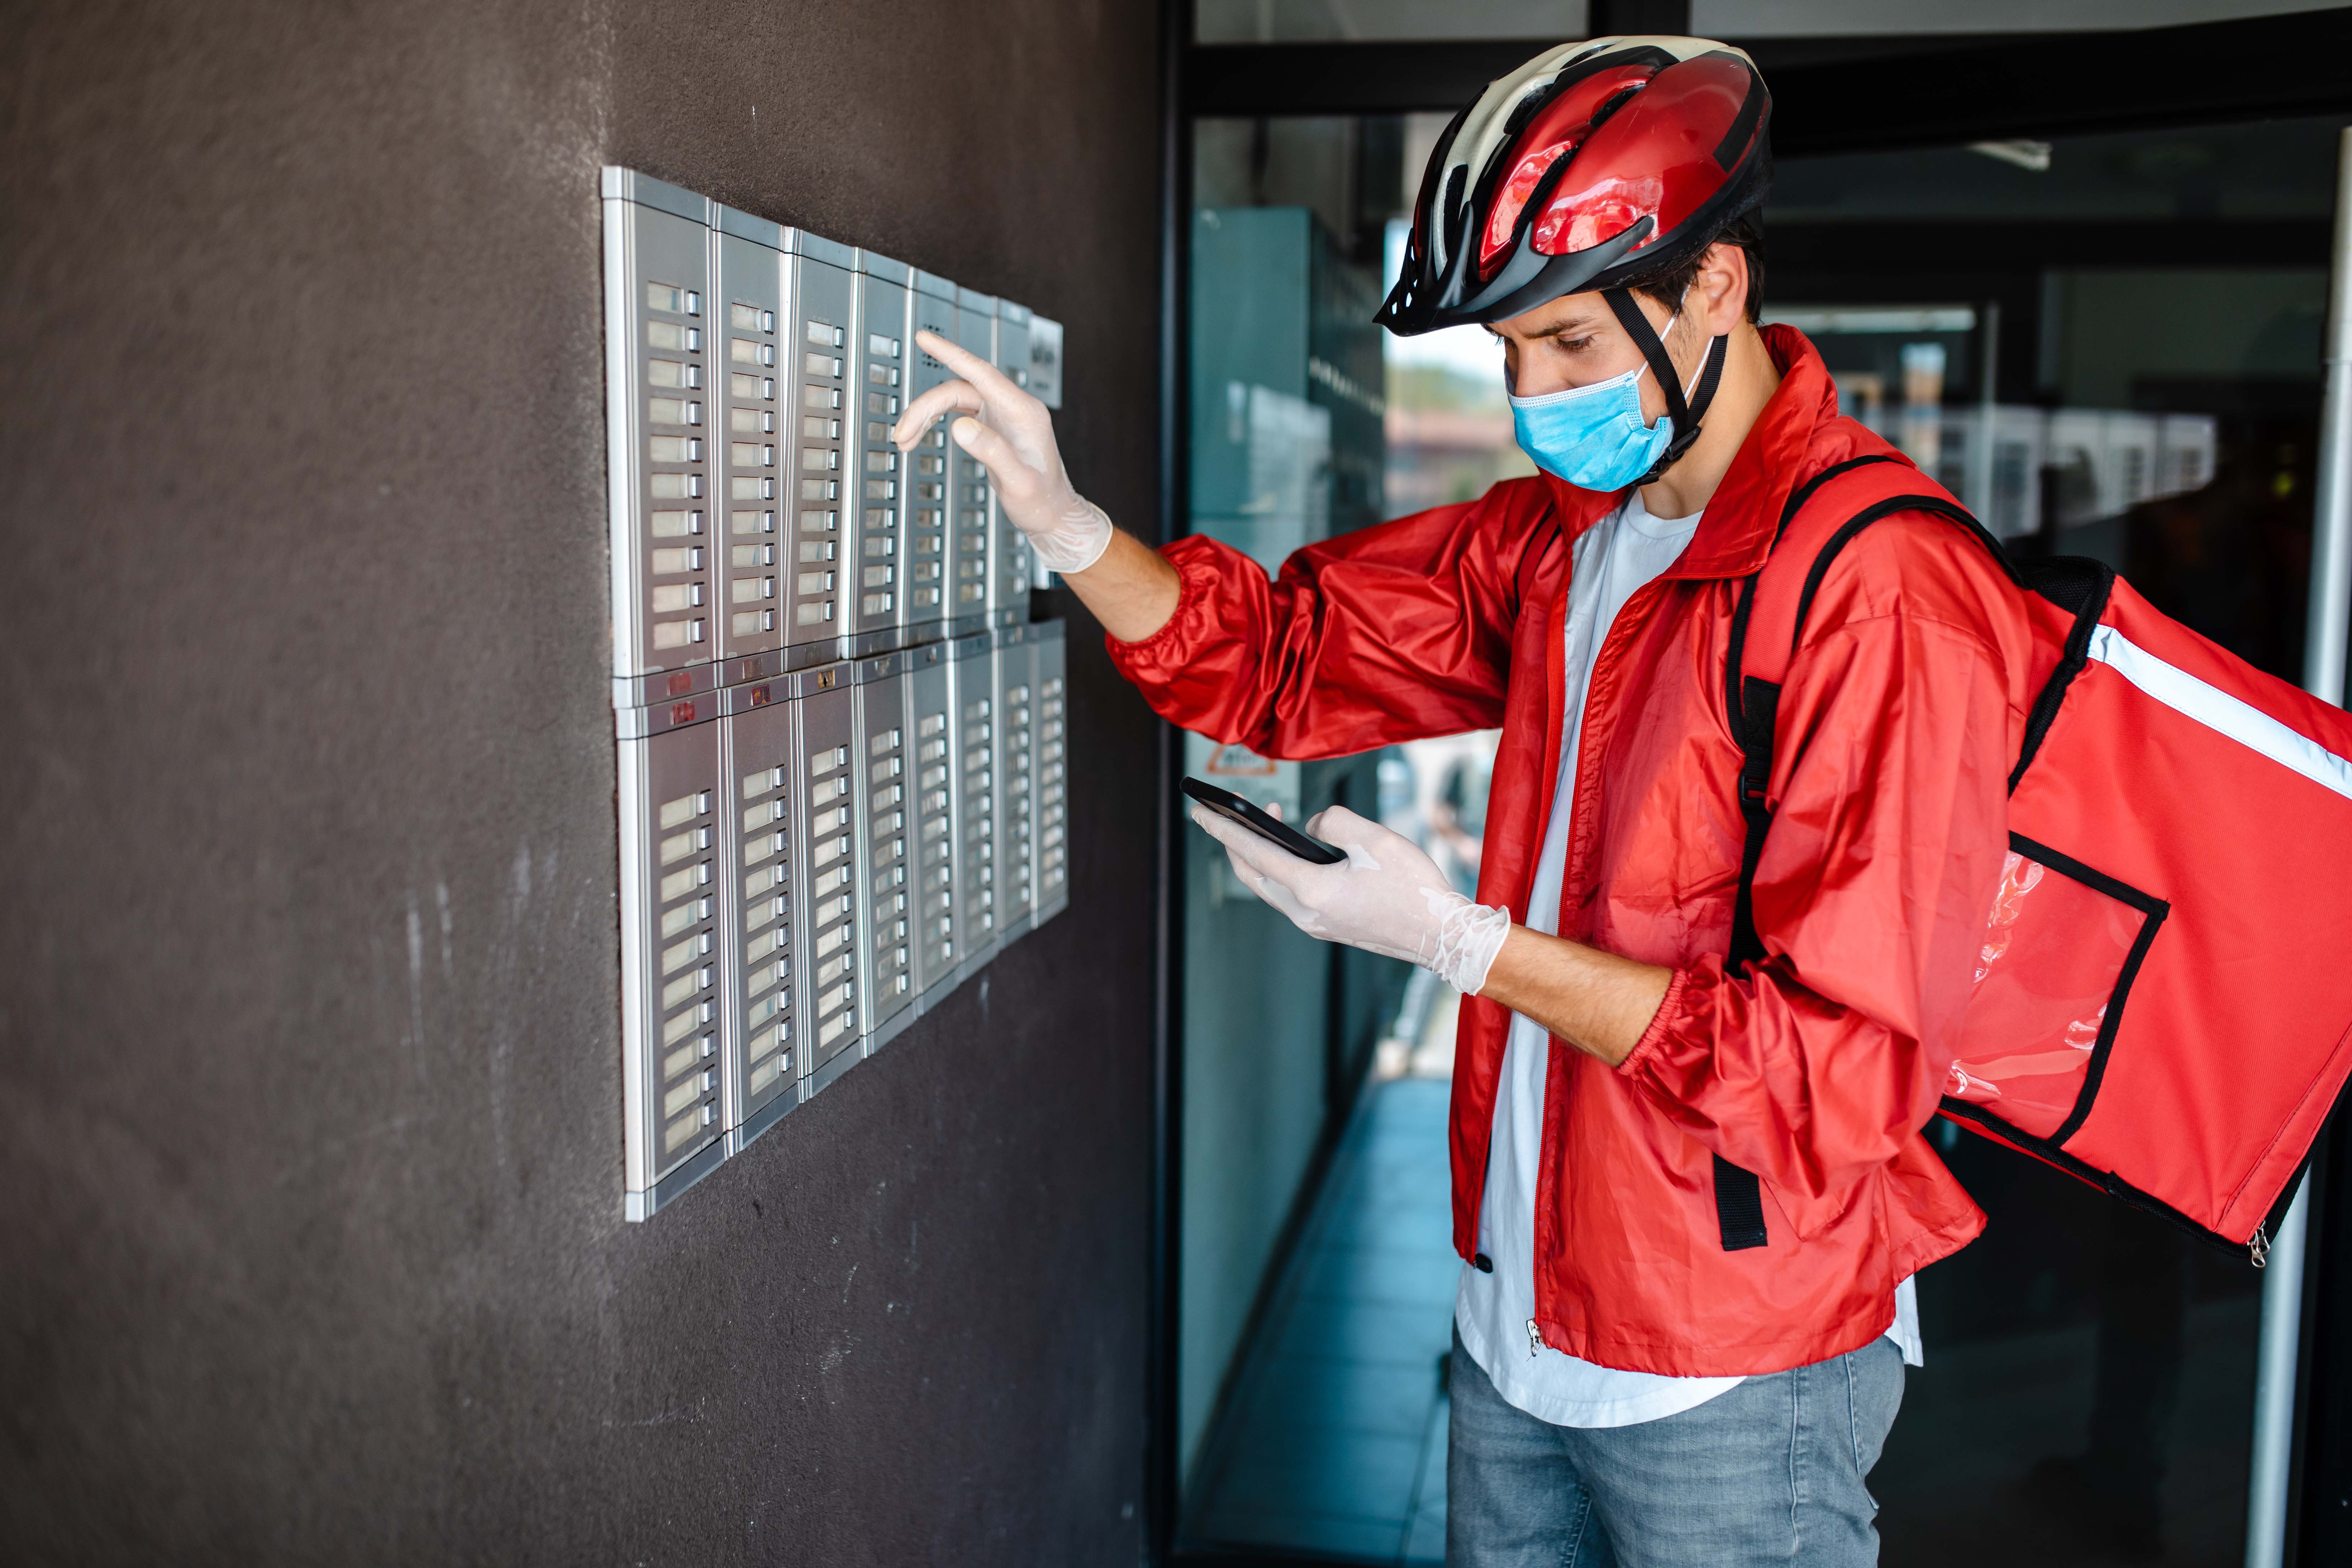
[{"x": 1768, "y": 1472}]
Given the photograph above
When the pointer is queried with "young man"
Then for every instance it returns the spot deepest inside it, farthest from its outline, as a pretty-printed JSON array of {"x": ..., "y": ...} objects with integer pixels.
[{"x": 1689, "y": 1192}]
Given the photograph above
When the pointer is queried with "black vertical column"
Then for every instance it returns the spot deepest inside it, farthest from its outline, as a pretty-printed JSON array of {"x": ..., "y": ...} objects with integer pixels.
[{"x": 1162, "y": 1455}]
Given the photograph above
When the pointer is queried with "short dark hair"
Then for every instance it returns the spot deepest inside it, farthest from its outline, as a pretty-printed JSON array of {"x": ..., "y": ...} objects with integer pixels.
[{"x": 1668, "y": 284}]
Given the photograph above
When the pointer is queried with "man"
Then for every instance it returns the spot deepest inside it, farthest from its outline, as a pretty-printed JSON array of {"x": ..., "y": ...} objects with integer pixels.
[{"x": 1690, "y": 1193}]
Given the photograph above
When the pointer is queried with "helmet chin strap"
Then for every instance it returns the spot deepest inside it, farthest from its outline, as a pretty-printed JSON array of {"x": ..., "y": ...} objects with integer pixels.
[{"x": 1686, "y": 416}]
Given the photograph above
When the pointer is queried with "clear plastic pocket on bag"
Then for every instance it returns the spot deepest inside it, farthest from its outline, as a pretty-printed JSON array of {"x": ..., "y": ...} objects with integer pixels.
[{"x": 2060, "y": 951}]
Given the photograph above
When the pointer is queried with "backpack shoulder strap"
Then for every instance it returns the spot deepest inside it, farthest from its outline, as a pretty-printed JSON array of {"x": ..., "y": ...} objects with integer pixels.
[
  {"x": 1749, "y": 700},
  {"x": 1774, "y": 599}
]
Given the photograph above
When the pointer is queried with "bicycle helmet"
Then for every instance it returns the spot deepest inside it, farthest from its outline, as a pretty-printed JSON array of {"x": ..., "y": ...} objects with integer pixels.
[{"x": 1592, "y": 163}]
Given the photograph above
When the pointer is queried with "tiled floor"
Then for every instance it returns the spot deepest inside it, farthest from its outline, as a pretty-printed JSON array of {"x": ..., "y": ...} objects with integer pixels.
[{"x": 1334, "y": 1443}]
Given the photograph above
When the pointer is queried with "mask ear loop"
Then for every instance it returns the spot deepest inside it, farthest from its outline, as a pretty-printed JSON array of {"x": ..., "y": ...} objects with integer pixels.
[{"x": 1686, "y": 416}]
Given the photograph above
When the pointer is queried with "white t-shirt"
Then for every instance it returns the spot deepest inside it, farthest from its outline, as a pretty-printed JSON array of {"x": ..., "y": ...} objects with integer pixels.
[{"x": 1495, "y": 1312}]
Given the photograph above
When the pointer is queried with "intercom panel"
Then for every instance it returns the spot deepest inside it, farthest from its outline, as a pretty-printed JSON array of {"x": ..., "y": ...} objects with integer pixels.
[
  {"x": 930, "y": 714},
  {"x": 839, "y": 738},
  {"x": 747, "y": 318},
  {"x": 1051, "y": 772},
  {"x": 876, "y": 543},
  {"x": 672, "y": 961},
  {"x": 886, "y": 845},
  {"x": 972, "y": 521},
  {"x": 763, "y": 1056},
  {"x": 830, "y": 884},
  {"x": 933, "y": 310},
  {"x": 820, "y": 354},
  {"x": 974, "y": 757},
  {"x": 658, "y": 432},
  {"x": 1016, "y": 729},
  {"x": 1008, "y": 599}
]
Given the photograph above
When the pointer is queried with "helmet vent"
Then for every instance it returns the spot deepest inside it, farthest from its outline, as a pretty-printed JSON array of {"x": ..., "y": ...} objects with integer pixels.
[{"x": 1611, "y": 105}]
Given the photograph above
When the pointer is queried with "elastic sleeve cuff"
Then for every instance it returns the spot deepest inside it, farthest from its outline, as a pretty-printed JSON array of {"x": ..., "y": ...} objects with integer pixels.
[
  {"x": 1653, "y": 1038},
  {"x": 1195, "y": 579}
]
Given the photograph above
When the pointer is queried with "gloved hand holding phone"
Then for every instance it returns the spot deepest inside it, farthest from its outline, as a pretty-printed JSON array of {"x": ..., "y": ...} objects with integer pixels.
[
  {"x": 1014, "y": 435},
  {"x": 1387, "y": 897}
]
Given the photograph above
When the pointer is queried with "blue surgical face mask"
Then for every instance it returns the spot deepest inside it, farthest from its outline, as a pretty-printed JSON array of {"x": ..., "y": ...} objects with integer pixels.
[{"x": 1594, "y": 437}]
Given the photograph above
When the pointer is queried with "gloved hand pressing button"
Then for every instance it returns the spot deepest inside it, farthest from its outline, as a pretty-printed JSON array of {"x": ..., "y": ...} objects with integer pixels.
[
  {"x": 1014, "y": 438},
  {"x": 1389, "y": 896}
]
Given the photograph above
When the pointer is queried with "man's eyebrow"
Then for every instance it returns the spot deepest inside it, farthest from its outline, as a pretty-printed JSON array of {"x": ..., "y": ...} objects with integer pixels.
[
  {"x": 1575, "y": 323},
  {"x": 1578, "y": 322}
]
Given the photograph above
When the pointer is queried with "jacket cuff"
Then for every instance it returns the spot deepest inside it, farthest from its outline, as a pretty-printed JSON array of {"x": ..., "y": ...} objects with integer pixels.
[
  {"x": 1165, "y": 646},
  {"x": 1653, "y": 1038}
]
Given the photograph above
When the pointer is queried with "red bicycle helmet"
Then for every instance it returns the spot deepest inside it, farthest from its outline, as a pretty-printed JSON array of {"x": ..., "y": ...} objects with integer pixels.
[{"x": 1592, "y": 163}]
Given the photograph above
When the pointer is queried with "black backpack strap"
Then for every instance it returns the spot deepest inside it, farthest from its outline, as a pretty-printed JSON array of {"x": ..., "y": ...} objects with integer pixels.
[
  {"x": 1739, "y": 1206},
  {"x": 1752, "y": 705}
]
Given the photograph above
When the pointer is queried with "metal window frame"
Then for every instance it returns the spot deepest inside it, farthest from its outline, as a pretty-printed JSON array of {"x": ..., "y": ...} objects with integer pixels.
[{"x": 1857, "y": 92}]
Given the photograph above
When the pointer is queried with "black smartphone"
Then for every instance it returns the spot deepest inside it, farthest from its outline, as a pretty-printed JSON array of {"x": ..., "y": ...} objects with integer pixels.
[{"x": 1273, "y": 829}]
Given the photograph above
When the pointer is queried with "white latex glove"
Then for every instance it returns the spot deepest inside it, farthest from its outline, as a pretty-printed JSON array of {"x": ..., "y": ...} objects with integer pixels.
[
  {"x": 1388, "y": 897},
  {"x": 1013, "y": 436}
]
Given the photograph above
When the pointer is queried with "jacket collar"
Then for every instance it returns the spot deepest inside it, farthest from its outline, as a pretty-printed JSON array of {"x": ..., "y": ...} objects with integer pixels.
[{"x": 1744, "y": 513}]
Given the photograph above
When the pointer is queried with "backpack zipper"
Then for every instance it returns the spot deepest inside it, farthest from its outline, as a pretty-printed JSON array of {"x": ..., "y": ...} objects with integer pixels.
[
  {"x": 2260, "y": 1247},
  {"x": 1535, "y": 1339}
]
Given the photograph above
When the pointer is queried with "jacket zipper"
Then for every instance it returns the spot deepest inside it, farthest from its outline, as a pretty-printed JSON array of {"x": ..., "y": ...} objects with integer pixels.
[{"x": 1587, "y": 767}]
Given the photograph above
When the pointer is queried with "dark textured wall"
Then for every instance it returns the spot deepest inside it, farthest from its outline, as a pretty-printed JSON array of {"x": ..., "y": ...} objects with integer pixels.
[{"x": 310, "y": 1236}]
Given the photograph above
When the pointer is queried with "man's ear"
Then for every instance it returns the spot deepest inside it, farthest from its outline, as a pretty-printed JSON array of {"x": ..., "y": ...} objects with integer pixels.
[{"x": 1723, "y": 281}]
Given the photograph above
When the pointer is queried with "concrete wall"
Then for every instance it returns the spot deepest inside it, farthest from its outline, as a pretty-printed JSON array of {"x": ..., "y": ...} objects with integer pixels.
[{"x": 312, "y": 1248}]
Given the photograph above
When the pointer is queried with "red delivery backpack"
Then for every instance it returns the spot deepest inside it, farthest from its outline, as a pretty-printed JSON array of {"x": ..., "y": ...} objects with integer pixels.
[{"x": 2163, "y": 998}]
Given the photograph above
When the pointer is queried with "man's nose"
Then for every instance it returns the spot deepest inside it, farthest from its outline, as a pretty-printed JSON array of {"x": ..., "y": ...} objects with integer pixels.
[{"x": 1533, "y": 380}]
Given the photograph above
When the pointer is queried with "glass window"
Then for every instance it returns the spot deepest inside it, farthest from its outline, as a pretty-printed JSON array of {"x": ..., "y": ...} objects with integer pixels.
[{"x": 2048, "y": 330}]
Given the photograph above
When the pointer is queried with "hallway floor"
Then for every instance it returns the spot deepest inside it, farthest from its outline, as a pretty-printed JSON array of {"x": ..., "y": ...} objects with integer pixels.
[{"x": 1334, "y": 1439}]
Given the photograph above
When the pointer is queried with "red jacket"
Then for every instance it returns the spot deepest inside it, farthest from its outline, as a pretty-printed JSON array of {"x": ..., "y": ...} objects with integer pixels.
[{"x": 1898, "y": 724}]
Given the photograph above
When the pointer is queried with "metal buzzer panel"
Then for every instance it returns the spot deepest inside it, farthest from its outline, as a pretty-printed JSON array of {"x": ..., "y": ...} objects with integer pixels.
[
  {"x": 818, "y": 348},
  {"x": 971, "y": 519},
  {"x": 930, "y": 716},
  {"x": 671, "y": 959},
  {"x": 879, "y": 377},
  {"x": 656, "y": 279},
  {"x": 1044, "y": 381},
  {"x": 830, "y": 885},
  {"x": 747, "y": 315},
  {"x": 763, "y": 1067},
  {"x": 974, "y": 756},
  {"x": 1009, "y": 580},
  {"x": 925, "y": 571},
  {"x": 886, "y": 847},
  {"x": 1016, "y": 727},
  {"x": 1051, "y": 772}
]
